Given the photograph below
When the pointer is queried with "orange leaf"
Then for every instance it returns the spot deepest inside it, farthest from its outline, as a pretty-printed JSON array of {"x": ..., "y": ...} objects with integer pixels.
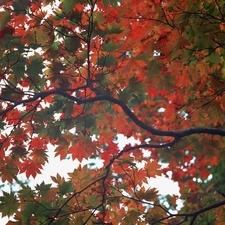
[
  {"x": 148, "y": 195},
  {"x": 153, "y": 168}
]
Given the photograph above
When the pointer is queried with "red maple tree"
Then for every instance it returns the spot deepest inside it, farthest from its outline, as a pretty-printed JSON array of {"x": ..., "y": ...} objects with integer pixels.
[{"x": 77, "y": 73}]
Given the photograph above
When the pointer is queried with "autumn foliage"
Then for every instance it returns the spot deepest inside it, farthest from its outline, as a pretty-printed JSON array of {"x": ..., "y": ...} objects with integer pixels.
[{"x": 75, "y": 74}]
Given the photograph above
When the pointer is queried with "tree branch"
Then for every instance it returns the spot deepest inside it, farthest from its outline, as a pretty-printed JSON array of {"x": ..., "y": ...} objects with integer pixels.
[{"x": 176, "y": 134}]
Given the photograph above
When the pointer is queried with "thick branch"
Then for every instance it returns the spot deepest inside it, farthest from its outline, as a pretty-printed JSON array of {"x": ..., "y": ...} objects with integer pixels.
[{"x": 176, "y": 134}]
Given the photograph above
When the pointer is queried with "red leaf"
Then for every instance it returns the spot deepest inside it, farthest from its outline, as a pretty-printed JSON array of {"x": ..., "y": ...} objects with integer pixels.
[
  {"x": 109, "y": 152},
  {"x": 31, "y": 168}
]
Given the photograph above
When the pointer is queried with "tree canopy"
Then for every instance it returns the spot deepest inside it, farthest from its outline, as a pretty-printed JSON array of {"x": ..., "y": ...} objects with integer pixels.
[{"x": 77, "y": 73}]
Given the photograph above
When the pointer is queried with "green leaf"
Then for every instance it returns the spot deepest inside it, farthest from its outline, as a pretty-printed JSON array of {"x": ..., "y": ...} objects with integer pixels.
[
  {"x": 54, "y": 131},
  {"x": 29, "y": 209},
  {"x": 124, "y": 95},
  {"x": 94, "y": 200},
  {"x": 35, "y": 67},
  {"x": 68, "y": 109},
  {"x": 136, "y": 100},
  {"x": 123, "y": 186},
  {"x": 105, "y": 3},
  {"x": 214, "y": 58},
  {"x": 72, "y": 43},
  {"x": 34, "y": 70},
  {"x": 66, "y": 187},
  {"x": 20, "y": 6},
  {"x": 8, "y": 204},
  {"x": 178, "y": 155},
  {"x": 110, "y": 46},
  {"x": 113, "y": 3},
  {"x": 89, "y": 121},
  {"x": 169, "y": 82},
  {"x": 107, "y": 61},
  {"x": 135, "y": 86},
  {"x": 2, "y": 125},
  {"x": 211, "y": 8},
  {"x": 43, "y": 188},
  {"x": 26, "y": 193},
  {"x": 131, "y": 217},
  {"x": 114, "y": 30},
  {"x": 155, "y": 67},
  {"x": 43, "y": 210},
  {"x": 68, "y": 5},
  {"x": 12, "y": 56},
  {"x": 4, "y": 19},
  {"x": 19, "y": 69},
  {"x": 33, "y": 46},
  {"x": 46, "y": 114},
  {"x": 40, "y": 210}
]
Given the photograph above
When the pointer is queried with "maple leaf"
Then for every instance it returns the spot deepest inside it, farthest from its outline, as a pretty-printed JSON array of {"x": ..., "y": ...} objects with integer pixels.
[
  {"x": 31, "y": 168},
  {"x": 62, "y": 149},
  {"x": 42, "y": 35},
  {"x": 8, "y": 203},
  {"x": 43, "y": 188},
  {"x": 66, "y": 187},
  {"x": 81, "y": 177},
  {"x": 13, "y": 116},
  {"x": 148, "y": 195},
  {"x": 80, "y": 74},
  {"x": 79, "y": 151},
  {"x": 39, "y": 156},
  {"x": 38, "y": 143},
  {"x": 110, "y": 151},
  {"x": 153, "y": 168}
]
